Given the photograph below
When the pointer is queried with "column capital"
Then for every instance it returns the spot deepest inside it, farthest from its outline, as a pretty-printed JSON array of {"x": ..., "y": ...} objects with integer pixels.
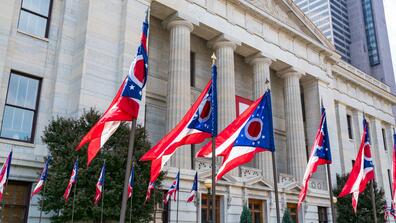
[
  {"x": 290, "y": 72},
  {"x": 258, "y": 58},
  {"x": 178, "y": 19},
  {"x": 223, "y": 41}
]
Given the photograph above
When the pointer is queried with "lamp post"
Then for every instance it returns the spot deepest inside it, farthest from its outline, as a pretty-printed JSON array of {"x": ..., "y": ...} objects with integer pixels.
[{"x": 208, "y": 186}]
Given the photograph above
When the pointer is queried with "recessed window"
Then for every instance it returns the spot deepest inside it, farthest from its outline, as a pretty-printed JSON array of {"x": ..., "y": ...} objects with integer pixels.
[
  {"x": 16, "y": 202},
  {"x": 206, "y": 208},
  {"x": 349, "y": 122},
  {"x": 293, "y": 211},
  {"x": 322, "y": 212},
  {"x": 256, "y": 208},
  {"x": 20, "y": 110},
  {"x": 384, "y": 138},
  {"x": 34, "y": 17},
  {"x": 192, "y": 69}
]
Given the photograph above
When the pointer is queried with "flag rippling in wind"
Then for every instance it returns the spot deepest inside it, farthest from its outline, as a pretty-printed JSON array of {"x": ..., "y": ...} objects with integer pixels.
[
  {"x": 42, "y": 179},
  {"x": 173, "y": 189},
  {"x": 100, "y": 184},
  {"x": 320, "y": 155},
  {"x": 72, "y": 181},
  {"x": 131, "y": 182},
  {"x": 194, "y": 189},
  {"x": 125, "y": 105},
  {"x": 198, "y": 124},
  {"x": 4, "y": 174},
  {"x": 149, "y": 189},
  {"x": 363, "y": 170},
  {"x": 250, "y": 133}
]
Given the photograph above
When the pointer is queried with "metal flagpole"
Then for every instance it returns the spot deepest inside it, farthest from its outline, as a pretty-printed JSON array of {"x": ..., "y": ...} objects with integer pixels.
[
  {"x": 155, "y": 206},
  {"x": 333, "y": 214},
  {"x": 274, "y": 173},
  {"x": 127, "y": 169},
  {"x": 130, "y": 205},
  {"x": 42, "y": 204},
  {"x": 276, "y": 187},
  {"x": 74, "y": 199},
  {"x": 177, "y": 204},
  {"x": 373, "y": 201},
  {"x": 214, "y": 164},
  {"x": 103, "y": 188}
]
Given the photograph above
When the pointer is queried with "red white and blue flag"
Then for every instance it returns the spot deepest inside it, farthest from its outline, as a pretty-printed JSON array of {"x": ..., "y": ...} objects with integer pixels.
[
  {"x": 393, "y": 206},
  {"x": 72, "y": 181},
  {"x": 198, "y": 124},
  {"x": 194, "y": 189},
  {"x": 100, "y": 184},
  {"x": 320, "y": 155},
  {"x": 126, "y": 103},
  {"x": 131, "y": 182},
  {"x": 4, "y": 174},
  {"x": 363, "y": 170},
  {"x": 250, "y": 133},
  {"x": 149, "y": 189},
  {"x": 41, "y": 180},
  {"x": 173, "y": 189}
]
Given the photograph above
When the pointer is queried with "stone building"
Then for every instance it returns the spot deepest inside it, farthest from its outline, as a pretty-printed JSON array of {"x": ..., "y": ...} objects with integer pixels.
[{"x": 60, "y": 57}]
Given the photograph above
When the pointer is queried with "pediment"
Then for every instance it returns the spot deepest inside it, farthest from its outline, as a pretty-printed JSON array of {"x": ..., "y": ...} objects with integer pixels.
[
  {"x": 259, "y": 182},
  {"x": 292, "y": 187},
  {"x": 288, "y": 14},
  {"x": 207, "y": 174}
]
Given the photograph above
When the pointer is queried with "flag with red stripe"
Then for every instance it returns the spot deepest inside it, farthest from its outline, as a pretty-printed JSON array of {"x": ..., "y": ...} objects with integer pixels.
[
  {"x": 72, "y": 181},
  {"x": 194, "y": 189},
  {"x": 125, "y": 105},
  {"x": 131, "y": 182},
  {"x": 41, "y": 180},
  {"x": 173, "y": 189},
  {"x": 320, "y": 155},
  {"x": 4, "y": 174},
  {"x": 100, "y": 184},
  {"x": 363, "y": 170}
]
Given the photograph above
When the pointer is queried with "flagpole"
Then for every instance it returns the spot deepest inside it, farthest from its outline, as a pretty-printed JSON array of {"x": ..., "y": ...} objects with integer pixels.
[
  {"x": 276, "y": 187},
  {"x": 42, "y": 203},
  {"x": 214, "y": 162},
  {"x": 155, "y": 206},
  {"x": 103, "y": 188},
  {"x": 373, "y": 201},
  {"x": 333, "y": 214},
  {"x": 74, "y": 198},
  {"x": 177, "y": 204},
  {"x": 130, "y": 207},
  {"x": 127, "y": 169}
]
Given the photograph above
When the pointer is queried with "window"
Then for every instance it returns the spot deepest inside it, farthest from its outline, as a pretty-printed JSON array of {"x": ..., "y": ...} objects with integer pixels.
[
  {"x": 353, "y": 163},
  {"x": 384, "y": 138},
  {"x": 370, "y": 33},
  {"x": 192, "y": 69},
  {"x": 322, "y": 212},
  {"x": 390, "y": 181},
  {"x": 16, "y": 202},
  {"x": 293, "y": 211},
  {"x": 21, "y": 106},
  {"x": 349, "y": 122},
  {"x": 163, "y": 209},
  {"x": 256, "y": 208},
  {"x": 34, "y": 17},
  {"x": 206, "y": 209},
  {"x": 192, "y": 156}
]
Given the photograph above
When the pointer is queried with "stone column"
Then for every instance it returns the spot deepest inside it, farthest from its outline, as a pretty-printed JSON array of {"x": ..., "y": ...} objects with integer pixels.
[
  {"x": 178, "y": 99},
  {"x": 225, "y": 81},
  {"x": 295, "y": 137},
  {"x": 261, "y": 73}
]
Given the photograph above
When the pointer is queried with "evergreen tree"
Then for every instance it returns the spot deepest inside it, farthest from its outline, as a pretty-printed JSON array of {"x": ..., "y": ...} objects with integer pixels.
[
  {"x": 246, "y": 217},
  {"x": 61, "y": 136},
  {"x": 286, "y": 217},
  {"x": 364, "y": 212}
]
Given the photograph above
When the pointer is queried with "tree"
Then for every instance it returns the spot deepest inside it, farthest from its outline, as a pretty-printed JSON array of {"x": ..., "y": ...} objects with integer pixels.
[
  {"x": 286, "y": 217},
  {"x": 61, "y": 136},
  {"x": 246, "y": 217},
  {"x": 364, "y": 212}
]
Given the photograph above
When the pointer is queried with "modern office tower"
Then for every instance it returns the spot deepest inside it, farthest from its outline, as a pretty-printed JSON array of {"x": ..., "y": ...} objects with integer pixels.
[{"x": 357, "y": 28}]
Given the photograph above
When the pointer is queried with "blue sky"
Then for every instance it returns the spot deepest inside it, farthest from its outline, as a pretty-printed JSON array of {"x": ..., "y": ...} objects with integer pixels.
[{"x": 390, "y": 7}]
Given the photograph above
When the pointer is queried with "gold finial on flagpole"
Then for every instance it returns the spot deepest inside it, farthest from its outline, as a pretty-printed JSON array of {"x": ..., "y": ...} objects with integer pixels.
[{"x": 214, "y": 58}]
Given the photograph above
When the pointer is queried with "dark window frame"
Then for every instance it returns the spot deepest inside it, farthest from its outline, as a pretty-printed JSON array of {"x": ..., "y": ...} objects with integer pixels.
[
  {"x": 322, "y": 213},
  {"x": 205, "y": 205},
  {"x": 27, "y": 199},
  {"x": 192, "y": 69},
  {"x": 349, "y": 126},
  {"x": 384, "y": 139},
  {"x": 48, "y": 17},
  {"x": 35, "y": 111},
  {"x": 260, "y": 211}
]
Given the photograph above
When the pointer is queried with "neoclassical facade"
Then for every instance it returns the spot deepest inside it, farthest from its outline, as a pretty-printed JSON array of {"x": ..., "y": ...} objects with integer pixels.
[{"x": 80, "y": 58}]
